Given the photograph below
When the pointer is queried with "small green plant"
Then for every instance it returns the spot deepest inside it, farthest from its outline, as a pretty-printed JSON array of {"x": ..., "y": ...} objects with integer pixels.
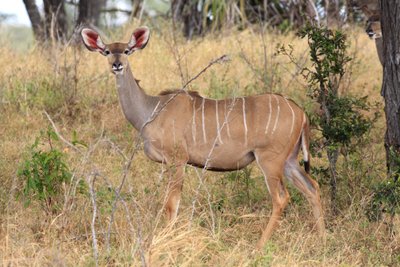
[
  {"x": 44, "y": 173},
  {"x": 265, "y": 259},
  {"x": 242, "y": 185},
  {"x": 243, "y": 189},
  {"x": 386, "y": 197}
]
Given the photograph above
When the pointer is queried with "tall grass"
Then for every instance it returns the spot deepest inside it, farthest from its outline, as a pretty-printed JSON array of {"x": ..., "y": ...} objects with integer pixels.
[{"x": 31, "y": 82}]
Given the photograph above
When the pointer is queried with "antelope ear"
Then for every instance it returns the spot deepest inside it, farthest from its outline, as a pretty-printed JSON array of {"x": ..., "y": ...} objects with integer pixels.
[
  {"x": 139, "y": 39},
  {"x": 92, "y": 40},
  {"x": 366, "y": 11}
]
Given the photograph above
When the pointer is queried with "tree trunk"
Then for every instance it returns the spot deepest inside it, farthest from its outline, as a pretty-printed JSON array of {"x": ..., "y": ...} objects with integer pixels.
[
  {"x": 36, "y": 20},
  {"x": 390, "y": 22},
  {"x": 333, "y": 155},
  {"x": 137, "y": 6},
  {"x": 379, "y": 49},
  {"x": 55, "y": 19},
  {"x": 332, "y": 13},
  {"x": 89, "y": 12},
  {"x": 188, "y": 13}
]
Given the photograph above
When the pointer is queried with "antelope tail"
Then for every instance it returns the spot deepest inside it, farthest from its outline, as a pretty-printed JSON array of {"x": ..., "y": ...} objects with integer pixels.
[{"x": 305, "y": 144}]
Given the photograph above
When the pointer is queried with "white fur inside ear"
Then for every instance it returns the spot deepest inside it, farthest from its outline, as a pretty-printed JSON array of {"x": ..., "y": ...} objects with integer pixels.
[
  {"x": 92, "y": 40},
  {"x": 139, "y": 38},
  {"x": 132, "y": 42},
  {"x": 100, "y": 43}
]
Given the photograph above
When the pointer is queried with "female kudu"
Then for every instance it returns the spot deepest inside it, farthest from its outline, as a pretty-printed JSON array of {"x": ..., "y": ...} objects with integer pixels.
[{"x": 221, "y": 135}]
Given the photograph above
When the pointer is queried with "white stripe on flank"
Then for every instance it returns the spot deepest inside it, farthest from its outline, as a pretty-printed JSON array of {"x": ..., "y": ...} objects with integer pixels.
[
  {"x": 202, "y": 119},
  {"x": 227, "y": 122},
  {"x": 293, "y": 116},
  {"x": 269, "y": 115},
  {"x": 244, "y": 118},
  {"x": 277, "y": 114},
  {"x": 217, "y": 118},
  {"x": 194, "y": 121}
]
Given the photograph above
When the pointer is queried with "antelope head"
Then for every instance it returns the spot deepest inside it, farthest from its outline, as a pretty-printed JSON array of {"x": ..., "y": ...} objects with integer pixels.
[
  {"x": 116, "y": 53},
  {"x": 373, "y": 14},
  {"x": 373, "y": 27}
]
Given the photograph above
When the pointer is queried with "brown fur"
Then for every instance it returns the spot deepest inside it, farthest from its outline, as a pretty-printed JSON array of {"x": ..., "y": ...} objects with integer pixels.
[
  {"x": 226, "y": 134},
  {"x": 178, "y": 91},
  {"x": 371, "y": 10}
]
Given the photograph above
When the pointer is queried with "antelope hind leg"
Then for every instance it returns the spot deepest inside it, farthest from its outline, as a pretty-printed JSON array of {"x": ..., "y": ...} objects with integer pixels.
[{"x": 309, "y": 188}]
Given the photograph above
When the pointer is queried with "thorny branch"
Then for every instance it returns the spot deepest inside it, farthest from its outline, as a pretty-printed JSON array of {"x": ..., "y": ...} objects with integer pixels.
[
  {"x": 91, "y": 182},
  {"x": 221, "y": 59},
  {"x": 157, "y": 111},
  {"x": 201, "y": 175},
  {"x": 60, "y": 136},
  {"x": 118, "y": 197},
  {"x": 96, "y": 173}
]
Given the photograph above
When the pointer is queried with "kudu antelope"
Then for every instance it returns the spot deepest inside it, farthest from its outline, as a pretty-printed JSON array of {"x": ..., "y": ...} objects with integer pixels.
[
  {"x": 220, "y": 135},
  {"x": 372, "y": 11}
]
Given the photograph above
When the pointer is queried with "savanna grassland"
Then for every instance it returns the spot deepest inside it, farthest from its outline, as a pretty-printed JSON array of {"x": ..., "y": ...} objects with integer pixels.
[{"x": 69, "y": 92}]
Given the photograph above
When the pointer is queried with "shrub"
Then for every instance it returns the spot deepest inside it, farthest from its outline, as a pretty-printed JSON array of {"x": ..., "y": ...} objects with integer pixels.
[
  {"x": 386, "y": 197},
  {"x": 44, "y": 172}
]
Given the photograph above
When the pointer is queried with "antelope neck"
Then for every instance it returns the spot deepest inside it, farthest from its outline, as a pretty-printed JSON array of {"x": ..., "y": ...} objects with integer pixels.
[{"x": 136, "y": 105}]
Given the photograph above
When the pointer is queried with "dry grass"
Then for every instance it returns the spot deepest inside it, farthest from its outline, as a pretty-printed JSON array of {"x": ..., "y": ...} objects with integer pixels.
[{"x": 224, "y": 237}]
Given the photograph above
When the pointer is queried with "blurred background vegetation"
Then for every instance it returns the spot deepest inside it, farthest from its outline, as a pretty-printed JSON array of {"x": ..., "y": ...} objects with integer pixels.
[{"x": 58, "y": 19}]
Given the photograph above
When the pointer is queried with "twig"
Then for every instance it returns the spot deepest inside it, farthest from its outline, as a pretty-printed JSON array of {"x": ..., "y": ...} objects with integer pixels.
[
  {"x": 93, "y": 226},
  {"x": 129, "y": 220},
  {"x": 107, "y": 140},
  {"x": 115, "y": 10},
  {"x": 60, "y": 136},
  {"x": 175, "y": 51},
  {"x": 128, "y": 163},
  {"x": 201, "y": 175},
  {"x": 221, "y": 59},
  {"x": 155, "y": 113}
]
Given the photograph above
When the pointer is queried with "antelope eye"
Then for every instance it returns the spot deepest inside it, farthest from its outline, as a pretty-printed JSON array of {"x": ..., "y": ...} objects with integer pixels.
[
  {"x": 126, "y": 51},
  {"x": 107, "y": 52}
]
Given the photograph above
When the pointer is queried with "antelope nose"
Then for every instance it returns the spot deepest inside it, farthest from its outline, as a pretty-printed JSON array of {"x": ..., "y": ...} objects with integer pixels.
[
  {"x": 370, "y": 33},
  {"x": 117, "y": 66}
]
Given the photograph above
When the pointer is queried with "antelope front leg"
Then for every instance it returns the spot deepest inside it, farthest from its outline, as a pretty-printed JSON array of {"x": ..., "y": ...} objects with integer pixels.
[
  {"x": 175, "y": 184},
  {"x": 280, "y": 198},
  {"x": 273, "y": 174}
]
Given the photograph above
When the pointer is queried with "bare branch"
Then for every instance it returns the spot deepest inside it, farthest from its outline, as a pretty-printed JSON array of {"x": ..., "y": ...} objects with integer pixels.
[
  {"x": 128, "y": 163},
  {"x": 115, "y": 9},
  {"x": 60, "y": 136},
  {"x": 91, "y": 182},
  {"x": 201, "y": 175},
  {"x": 221, "y": 59}
]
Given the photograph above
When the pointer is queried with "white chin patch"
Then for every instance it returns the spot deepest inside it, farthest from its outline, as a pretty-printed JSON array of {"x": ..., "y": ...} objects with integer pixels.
[{"x": 118, "y": 70}]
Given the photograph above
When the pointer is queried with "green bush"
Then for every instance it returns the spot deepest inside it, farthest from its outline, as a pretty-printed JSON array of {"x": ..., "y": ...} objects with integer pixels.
[
  {"x": 386, "y": 197},
  {"x": 342, "y": 117}
]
